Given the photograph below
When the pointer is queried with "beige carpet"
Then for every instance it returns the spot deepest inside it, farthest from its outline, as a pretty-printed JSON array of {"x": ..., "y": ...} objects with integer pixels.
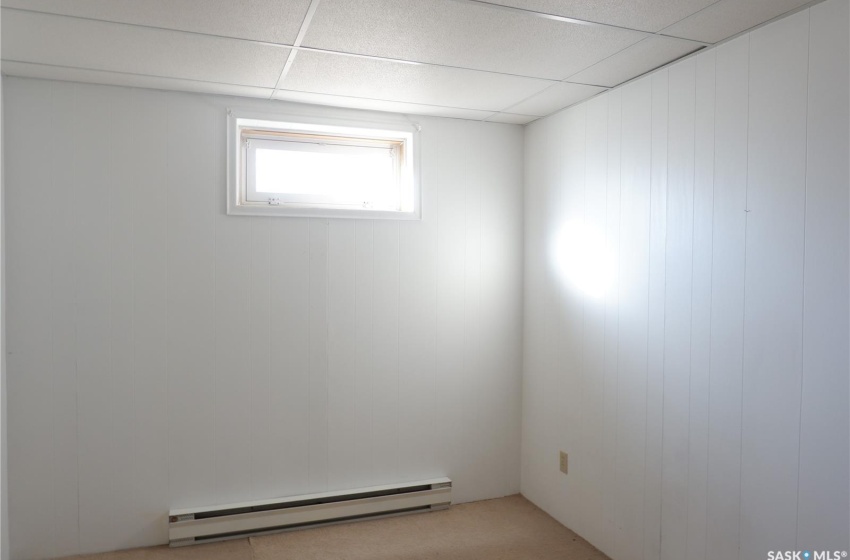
[{"x": 509, "y": 528}]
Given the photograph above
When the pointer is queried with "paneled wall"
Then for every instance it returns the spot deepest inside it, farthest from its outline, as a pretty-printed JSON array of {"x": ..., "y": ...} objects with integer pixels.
[
  {"x": 686, "y": 303},
  {"x": 4, "y": 482},
  {"x": 163, "y": 354}
]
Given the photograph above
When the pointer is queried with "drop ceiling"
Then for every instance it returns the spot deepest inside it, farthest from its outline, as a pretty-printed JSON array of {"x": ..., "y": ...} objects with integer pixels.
[{"x": 499, "y": 60}]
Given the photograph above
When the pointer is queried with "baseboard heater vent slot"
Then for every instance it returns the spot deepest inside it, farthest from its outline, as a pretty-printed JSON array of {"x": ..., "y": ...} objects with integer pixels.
[{"x": 202, "y": 525}]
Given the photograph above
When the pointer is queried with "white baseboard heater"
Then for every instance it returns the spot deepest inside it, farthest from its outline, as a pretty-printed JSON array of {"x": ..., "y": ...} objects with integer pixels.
[{"x": 203, "y": 525}]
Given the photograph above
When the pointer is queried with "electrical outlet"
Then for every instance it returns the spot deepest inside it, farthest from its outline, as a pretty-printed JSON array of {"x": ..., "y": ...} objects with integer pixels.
[{"x": 563, "y": 462}]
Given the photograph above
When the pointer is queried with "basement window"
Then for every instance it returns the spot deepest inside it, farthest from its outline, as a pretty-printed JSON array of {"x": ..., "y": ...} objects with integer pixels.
[{"x": 320, "y": 168}]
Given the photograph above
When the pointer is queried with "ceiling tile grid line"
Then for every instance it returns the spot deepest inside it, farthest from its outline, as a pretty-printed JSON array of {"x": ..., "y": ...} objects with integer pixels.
[
  {"x": 736, "y": 18},
  {"x": 122, "y": 73},
  {"x": 704, "y": 8},
  {"x": 437, "y": 54},
  {"x": 6, "y": 8},
  {"x": 580, "y": 21},
  {"x": 480, "y": 2},
  {"x": 300, "y": 47},
  {"x": 420, "y": 63},
  {"x": 432, "y": 85},
  {"x": 479, "y": 90},
  {"x": 297, "y": 43},
  {"x": 302, "y": 31},
  {"x": 465, "y": 35},
  {"x": 302, "y": 34},
  {"x": 635, "y": 60},
  {"x": 13, "y": 68},
  {"x": 547, "y": 103},
  {"x": 61, "y": 41},
  {"x": 583, "y": 76},
  {"x": 278, "y": 92},
  {"x": 17, "y": 5},
  {"x": 521, "y": 101},
  {"x": 273, "y": 21},
  {"x": 299, "y": 95}
]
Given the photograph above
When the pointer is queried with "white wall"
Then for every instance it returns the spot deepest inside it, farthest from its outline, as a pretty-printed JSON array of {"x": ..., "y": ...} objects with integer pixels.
[
  {"x": 703, "y": 398},
  {"x": 4, "y": 503},
  {"x": 164, "y": 354}
]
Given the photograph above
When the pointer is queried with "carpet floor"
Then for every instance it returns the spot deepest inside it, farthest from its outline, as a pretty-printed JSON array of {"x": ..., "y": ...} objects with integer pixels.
[{"x": 509, "y": 528}]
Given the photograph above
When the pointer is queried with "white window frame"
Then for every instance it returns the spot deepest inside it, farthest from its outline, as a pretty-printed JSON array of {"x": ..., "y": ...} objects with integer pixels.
[{"x": 248, "y": 130}]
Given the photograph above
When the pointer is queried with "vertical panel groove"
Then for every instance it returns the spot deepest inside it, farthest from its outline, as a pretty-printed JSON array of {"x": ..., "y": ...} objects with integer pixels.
[
  {"x": 398, "y": 342},
  {"x": 648, "y": 306},
  {"x": 309, "y": 251},
  {"x": 711, "y": 294},
  {"x": 746, "y": 260},
  {"x": 169, "y": 466},
  {"x": 76, "y": 336},
  {"x": 803, "y": 299},
  {"x": 691, "y": 297},
  {"x": 326, "y": 349},
  {"x": 711, "y": 304},
  {"x": 372, "y": 349}
]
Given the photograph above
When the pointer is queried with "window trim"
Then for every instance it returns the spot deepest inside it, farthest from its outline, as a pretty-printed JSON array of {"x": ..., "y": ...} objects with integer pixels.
[{"x": 271, "y": 125}]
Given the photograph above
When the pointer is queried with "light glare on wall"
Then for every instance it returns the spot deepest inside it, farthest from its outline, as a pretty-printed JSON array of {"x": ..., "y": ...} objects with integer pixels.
[{"x": 582, "y": 259}]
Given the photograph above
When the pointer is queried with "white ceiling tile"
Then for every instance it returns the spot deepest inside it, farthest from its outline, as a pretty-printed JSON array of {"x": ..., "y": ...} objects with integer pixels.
[
  {"x": 412, "y": 83},
  {"x": 65, "y": 74},
  {"x": 276, "y": 21},
  {"x": 379, "y": 105},
  {"x": 556, "y": 97},
  {"x": 647, "y": 15},
  {"x": 730, "y": 17},
  {"x": 638, "y": 59},
  {"x": 463, "y": 35},
  {"x": 511, "y": 118},
  {"x": 63, "y": 41}
]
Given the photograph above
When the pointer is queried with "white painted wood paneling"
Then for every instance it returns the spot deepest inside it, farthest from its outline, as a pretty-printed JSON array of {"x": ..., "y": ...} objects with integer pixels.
[
  {"x": 30, "y": 414},
  {"x": 4, "y": 479},
  {"x": 590, "y": 463},
  {"x": 290, "y": 382},
  {"x": 655, "y": 317},
  {"x": 385, "y": 338},
  {"x": 701, "y": 305},
  {"x": 727, "y": 298},
  {"x": 63, "y": 327},
  {"x": 720, "y": 428},
  {"x": 166, "y": 355},
  {"x": 451, "y": 308},
  {"x": 823, "y": 511},
  {"x": 544, "y": 168},
  {"x": 633, "y": 290},
  {"x": 342, "y": 352},
  {"x": 612, "y": 318},
  {"x": 121, "y": 325},
  {"x": 498, "y": 316},
  {"x": 263, "y": 472},
  {"x": 569, "y": 224},
  {"x": 773, "y": 292},
  {"x": 677, "y": 310},
  {"x": 360, "y": 464},
  {"x": 150, "y": 249},
  {"x": 233, "y": 390},
  {"x": 417, "y": 333},
  {"x": 317, "y": 357},
  {"x": 96, "y": 412},
  {"x": 192, "y": 207},
  {"x": 540, "y": 164}
]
